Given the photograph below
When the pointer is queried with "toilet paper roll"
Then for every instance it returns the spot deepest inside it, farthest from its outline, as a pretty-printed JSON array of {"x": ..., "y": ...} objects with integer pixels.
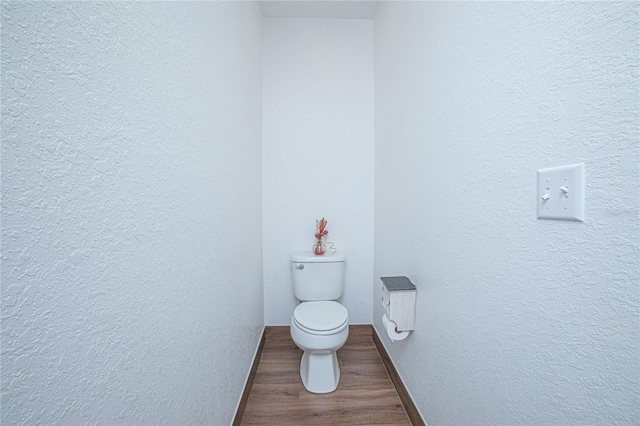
[{"x": 390, "y": 326}]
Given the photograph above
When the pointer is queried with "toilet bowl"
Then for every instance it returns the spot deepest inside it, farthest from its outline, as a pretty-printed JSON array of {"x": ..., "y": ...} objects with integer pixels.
[
  {"x": 319, "y": 325},
  {"x": 320, "y": 328}
]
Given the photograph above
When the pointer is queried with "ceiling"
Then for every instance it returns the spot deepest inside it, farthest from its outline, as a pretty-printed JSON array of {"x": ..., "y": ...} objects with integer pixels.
[{"x": 354, "y": 9}]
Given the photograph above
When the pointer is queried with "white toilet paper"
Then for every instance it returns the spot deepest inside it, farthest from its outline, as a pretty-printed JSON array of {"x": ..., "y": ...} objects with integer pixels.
[{"x": 390, "y": 326}]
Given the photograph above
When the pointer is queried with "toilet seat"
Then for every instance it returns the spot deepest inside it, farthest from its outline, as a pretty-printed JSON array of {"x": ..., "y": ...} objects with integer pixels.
[{"x": 321, "y": 317}]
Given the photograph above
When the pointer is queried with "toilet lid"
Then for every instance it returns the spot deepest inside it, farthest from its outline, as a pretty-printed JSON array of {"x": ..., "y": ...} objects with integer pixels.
[{"x": 321, "y": 316}]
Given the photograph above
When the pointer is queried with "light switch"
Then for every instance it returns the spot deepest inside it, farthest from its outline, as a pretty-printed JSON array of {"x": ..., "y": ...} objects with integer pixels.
[{"x": 560, "y": 194}]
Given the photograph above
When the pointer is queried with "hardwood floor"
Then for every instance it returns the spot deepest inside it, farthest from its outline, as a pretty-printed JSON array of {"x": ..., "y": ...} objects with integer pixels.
[{"x": 365, "y": 394}]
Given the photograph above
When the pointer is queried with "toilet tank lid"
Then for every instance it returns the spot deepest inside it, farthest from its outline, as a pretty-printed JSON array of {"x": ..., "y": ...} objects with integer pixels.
[{"x": 309, "y": 257}]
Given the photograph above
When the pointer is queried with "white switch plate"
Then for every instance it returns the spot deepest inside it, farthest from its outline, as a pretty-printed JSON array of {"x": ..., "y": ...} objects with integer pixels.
[{"x": 561, "y": 193}]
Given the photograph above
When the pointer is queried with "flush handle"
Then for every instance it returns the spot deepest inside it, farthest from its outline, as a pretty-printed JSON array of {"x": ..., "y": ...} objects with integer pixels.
[{"x": 300, "y": 266}]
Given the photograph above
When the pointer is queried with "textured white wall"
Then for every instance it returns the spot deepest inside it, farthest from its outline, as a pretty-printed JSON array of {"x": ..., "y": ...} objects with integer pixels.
[
  {"x": 131, "y": 217},
  {"x": 519, "y": 321},
  {"x": 318, "y": 153}
]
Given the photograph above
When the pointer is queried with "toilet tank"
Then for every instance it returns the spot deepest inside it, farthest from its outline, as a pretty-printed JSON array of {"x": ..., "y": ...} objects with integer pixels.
[{"x": 317, "y": 277}]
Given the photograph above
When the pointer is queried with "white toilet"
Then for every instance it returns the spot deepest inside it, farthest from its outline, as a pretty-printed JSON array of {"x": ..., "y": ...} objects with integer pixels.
[{"x": 319, "y": 325}]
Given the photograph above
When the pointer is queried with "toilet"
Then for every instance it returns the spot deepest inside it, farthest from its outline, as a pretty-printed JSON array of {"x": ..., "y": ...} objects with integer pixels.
[{"x": 319, "y": 325}]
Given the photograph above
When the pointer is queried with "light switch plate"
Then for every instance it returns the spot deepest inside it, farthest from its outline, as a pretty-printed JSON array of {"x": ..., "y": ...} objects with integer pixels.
[{"x": 560, "y": 193}]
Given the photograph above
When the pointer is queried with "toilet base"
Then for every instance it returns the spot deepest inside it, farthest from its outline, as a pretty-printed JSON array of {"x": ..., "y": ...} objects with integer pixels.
[{"x": 320, "y": 373}]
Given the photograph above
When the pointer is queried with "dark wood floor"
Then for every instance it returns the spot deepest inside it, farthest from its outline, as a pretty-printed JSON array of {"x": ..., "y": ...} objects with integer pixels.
[{"x": 365, "y": 394}]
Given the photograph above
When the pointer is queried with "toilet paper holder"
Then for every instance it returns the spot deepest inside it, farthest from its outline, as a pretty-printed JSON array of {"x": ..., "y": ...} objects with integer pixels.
[{"x": 399, "y": 302}]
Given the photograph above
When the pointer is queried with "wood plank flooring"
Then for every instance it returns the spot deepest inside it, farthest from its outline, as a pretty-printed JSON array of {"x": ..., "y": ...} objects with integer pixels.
[{"x": 365, "y": 394}]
